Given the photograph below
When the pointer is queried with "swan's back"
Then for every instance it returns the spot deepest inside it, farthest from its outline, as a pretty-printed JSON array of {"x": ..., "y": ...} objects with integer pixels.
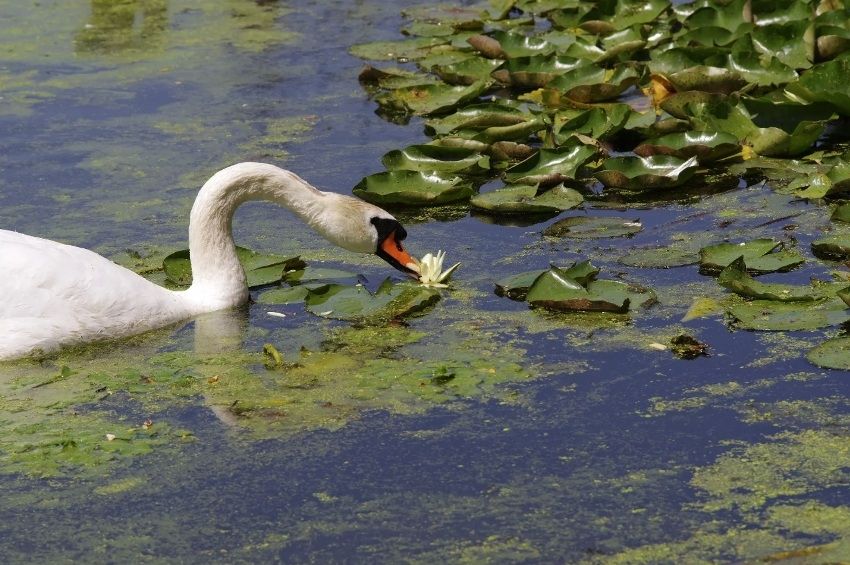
[{"x": 53, "y": 294}]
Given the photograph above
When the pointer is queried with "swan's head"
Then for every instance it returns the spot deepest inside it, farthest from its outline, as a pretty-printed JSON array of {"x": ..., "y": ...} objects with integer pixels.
[{"x": 390, "y": 233}]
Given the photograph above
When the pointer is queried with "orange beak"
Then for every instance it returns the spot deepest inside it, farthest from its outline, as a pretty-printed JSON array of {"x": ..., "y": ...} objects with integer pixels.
[{"x": 394, "y": 253}]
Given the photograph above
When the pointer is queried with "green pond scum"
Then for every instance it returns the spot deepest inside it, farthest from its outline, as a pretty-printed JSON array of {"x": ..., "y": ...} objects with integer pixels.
[{"x": 642, "y": 359}]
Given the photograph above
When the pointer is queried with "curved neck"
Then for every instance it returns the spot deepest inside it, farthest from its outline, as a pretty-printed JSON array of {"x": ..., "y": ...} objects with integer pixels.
[{"x": 218, "y": 278}]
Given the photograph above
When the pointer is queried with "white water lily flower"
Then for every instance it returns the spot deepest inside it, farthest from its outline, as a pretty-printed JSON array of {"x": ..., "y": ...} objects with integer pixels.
[{"x": 431, "y": 270}]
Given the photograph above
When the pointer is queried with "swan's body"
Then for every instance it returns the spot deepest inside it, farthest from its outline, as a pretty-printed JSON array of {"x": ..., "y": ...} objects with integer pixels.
[{"x": 53, "y": 294}]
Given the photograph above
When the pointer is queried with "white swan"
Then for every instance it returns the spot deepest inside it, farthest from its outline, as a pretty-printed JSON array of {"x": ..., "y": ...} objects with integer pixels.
[{"x": 53, "y": 294}]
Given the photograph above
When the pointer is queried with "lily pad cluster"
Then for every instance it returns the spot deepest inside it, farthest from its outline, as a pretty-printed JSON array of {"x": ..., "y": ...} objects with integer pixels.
[{"x": 638, "y": 95}]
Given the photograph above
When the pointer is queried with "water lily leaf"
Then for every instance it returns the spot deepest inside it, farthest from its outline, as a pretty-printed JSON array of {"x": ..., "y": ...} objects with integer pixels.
[
  {"x": 374, "y": 79},
  {"x": 760, "y": 255},
  {"x": 756, "y": 68},
  {"x": 735, "y": 278},
  {"x": 634, "y": 12},
  {"x": 407, "y": 49},
  {"x": 730, "y": 16},
  {"x": 660, "y": 257},
  {"x": 478, "y": 116},
  {"x": 356, "y": 303},
  {"x": 414, "y": 188},
  {"x": 260, "y": 268},
  {"x": 833, "y": 248},
  {"x": 516, "y": 287},
  {"x": 707, "y": 79},
  {"x": 841, "y": 213},
  {"x": 313, "y": 274},
  {"x": 536, "y": 71},
  {"x": 707, "y": 147},
  {"x": 591, "y": 227},
  {"x": 596, "y": 84},
  {"x": 449, "y": 15},
  {"x": 598, "y": 123},
  {"x": 554, "y": 290},
  {"x": 527, "y": 199},
  {"x": 468, "y": 71},
  {"x": 437, "y": 158},
  {"x": 289, "y": 295},
  {"x": 552, "y": 166},
  {"x": 826, "y": 82},
  {"x": 429, "y": 99},
  {"x": 646, "y": 173},
  {"x": 831, "y": 354},
  {"x": 771, "y": 315},
  {"x": 791, "y": 42},
  {"x": 509, "y": 45}
]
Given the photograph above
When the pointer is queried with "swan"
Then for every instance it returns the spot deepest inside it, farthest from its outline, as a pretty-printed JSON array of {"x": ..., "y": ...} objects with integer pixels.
[{"x": 53, "y": 295}]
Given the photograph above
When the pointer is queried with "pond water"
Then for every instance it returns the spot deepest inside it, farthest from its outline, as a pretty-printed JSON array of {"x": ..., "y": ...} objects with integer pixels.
[{"x": 480, "y": 430}]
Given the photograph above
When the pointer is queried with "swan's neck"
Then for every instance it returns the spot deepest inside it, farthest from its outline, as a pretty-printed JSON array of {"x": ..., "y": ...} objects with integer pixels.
[{"x": 218, "y": 277}]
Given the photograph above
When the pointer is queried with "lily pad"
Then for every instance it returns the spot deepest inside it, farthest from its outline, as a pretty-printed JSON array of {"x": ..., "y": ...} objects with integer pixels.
[
  {"x": 412, "y": 188},
  {"x": 437, "y": 158},
  {"x": 833, "y": 247},
  {"x": 707, "y": 147},
  {"x": 660, "y": 257},
  {"x": 509, "y": 44},
  {"x": 735, "y": 278},
  {"x": 760, "y": 255},
  {"x": 356, "y": 303},
  {"x": 707, "y": 79},
  {"x": 596, "y": 84},
  {"x": 771, "y": 315},
  {"x": 646, "y": 173},
  {"x": 598, "y": 122},
  {"x": 427, "y": 99},
  {"x": 527, "y": 199},
  {"x": 831, "y": 354},
  {"x": 468, "y": 71},
  {"x": 552, "y": 166},
  {"x": 554, "y": 290},
  {"x": 516, "y": 287},
  {"x": 826, "y": 82},
  {"x": 591, "y": 227},
  {"x": 536, "y": 71},
  {"x": 260, "y": 268},
  {"x": 408, "y": 49}
]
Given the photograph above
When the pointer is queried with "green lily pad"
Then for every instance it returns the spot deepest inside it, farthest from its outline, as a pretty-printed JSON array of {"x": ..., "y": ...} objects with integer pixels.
[
  {"x": 826, "y": 82},
  {"x": 437, "y": 158},
  {"x": 735, "y": 278},
  {"x": 407, "y": 49},
  {"x": 707, "y": 147},
  {"x": 791, "y": 42},
  {"x": 313, "y": 274},
  {"x": 356, "y": 303},
  {"x": 552, "y": 166},
  {"x": 760, "y": 256},
  {"x": 516, "y": 287},
  {"x": 477, "y": 117},
  {"x": 527, "y": 199},
  {"x": 841, "y": 213},
  {"x": 646, "y": 173},
  {"x": 833, "y": 247},
  {"x": 771, "y": 315},
  {"x": 591, "y": 227},
  {"x": 831, "y": 354},
  {"x": 707, "y": 79},
  {"x": 598, "y": 123},
  {"x": 260, "y": 268},
  {"x": 536, "y": 71},
  {"x": 509, "y": 45},
  {"x": 290, "y": 295},
  {"x": 596, "y": 84},
  {"x": 554, "y": 290},
  {"x": 427, "y": 99},
  {"x": 468, "y": 71},
  {"x": 412, "y": 188},
  {"x": 374, "y": 79}
]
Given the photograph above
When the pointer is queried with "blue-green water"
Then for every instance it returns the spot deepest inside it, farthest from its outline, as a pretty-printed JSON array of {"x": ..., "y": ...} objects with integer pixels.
[{"x": 571, "y": 438}]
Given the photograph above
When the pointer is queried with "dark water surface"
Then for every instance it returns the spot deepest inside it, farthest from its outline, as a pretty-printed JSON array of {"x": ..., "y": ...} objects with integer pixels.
[{"x": 552, "y": 439}]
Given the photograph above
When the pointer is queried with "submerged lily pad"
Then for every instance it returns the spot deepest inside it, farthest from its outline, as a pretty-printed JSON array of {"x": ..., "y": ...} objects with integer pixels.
[
  {"x": 412, "y": 188},
  {"x": 356, "y": 303},
  {"x": 834, "y": 247},
  {"x": 660, "y": 257},
  {"x": 527, "y": 199},
  {"x": 590, "y": 227},
  {"x": 772, "y": 315},
  {"x": 760, "y": 256},
  {"x": 735, "y": 278},
  {"x": 439, "y": 158},
  {"x": 260, "y": 268},
  {"x": 831, "y": 354},
  {"x": 646, "y": 173}
]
